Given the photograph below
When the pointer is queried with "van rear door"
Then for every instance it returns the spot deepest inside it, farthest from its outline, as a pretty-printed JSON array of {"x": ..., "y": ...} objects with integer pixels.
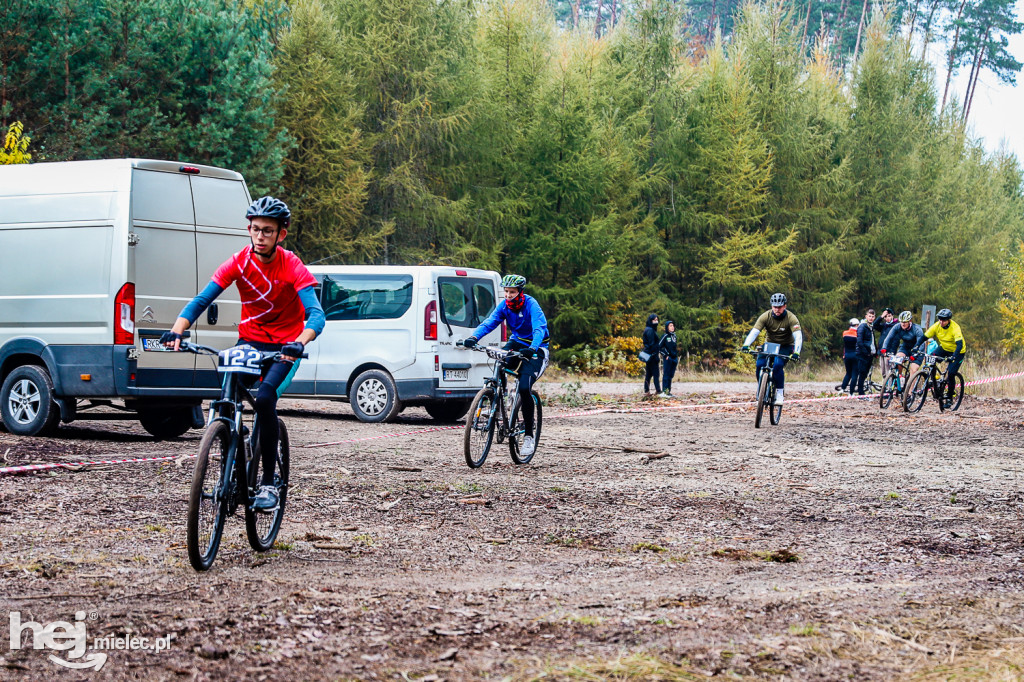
[
  {"x": 221, "y": 231},
  {"x": 165, "y": 268},
  {"x": 465, "y": 300}
]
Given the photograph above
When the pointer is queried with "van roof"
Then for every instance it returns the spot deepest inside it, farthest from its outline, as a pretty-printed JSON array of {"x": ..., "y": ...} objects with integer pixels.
[
  {"x": 410, "y": 269},
  {"x": 101, "y": 174}
]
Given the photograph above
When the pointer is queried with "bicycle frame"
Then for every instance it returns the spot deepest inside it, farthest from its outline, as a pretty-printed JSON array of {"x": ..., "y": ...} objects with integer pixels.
[{"x": 499, "y": 382}]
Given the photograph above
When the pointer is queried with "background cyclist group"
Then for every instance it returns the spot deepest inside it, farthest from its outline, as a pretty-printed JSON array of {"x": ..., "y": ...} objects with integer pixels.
[{"x": 280, "y": 312}]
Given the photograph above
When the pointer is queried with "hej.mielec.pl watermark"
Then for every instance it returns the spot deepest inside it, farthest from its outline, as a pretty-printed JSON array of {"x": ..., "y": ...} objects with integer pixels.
[{"x": 72, "y": 637}]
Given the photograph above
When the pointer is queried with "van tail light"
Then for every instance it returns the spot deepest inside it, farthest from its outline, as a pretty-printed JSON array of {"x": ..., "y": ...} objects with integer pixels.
[
  {"x": 430, "y": 321},
  {"x": 461, "y": 273},
  {"x": 437, "y": 363},
  {"x": 504, "y": 332},
  {"x": 124, "y": 315}
]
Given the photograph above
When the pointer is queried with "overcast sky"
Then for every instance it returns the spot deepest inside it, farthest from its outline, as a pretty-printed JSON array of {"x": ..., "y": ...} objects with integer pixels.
[{"x": 997, "y": 114}]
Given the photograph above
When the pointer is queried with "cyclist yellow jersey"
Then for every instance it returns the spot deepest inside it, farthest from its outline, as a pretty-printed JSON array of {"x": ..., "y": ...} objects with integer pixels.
[{"x": 947, "y": 337}]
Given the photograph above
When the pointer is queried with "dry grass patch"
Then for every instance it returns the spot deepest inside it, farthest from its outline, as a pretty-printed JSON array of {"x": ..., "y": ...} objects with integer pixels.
[{"x": 646, "y": 667}]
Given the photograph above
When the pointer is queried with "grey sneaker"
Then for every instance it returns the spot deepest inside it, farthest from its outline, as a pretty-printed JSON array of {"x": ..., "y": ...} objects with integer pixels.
[
  {"x": 266, "y": 499},
  {"x": 529, "y": 446},
  {"x": 663, "y": 395}
]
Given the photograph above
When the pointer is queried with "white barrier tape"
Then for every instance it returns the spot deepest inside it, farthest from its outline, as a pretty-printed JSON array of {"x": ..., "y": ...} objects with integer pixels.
[{"x": 32, "y": 468}]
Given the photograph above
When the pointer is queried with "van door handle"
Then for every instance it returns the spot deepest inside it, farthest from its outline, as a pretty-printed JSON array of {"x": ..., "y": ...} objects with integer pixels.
[{"x": 211, "y": 314}]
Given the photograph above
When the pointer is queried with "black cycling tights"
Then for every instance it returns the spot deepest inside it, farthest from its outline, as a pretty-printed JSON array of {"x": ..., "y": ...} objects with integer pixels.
[{"x": 266, "y": 412}]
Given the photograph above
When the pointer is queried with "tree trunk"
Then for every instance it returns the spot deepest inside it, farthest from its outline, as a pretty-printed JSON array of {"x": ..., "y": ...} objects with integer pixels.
[
  {"x": 976, "y": 72},
  {"x": 711, "y": 19},
  {"x": 952, "y": 52},
  {"x": 928, "y": 28},
  {"x": 860, "y": 28},
  {"x": 841, "y": 24},
  {"x": 614, "y": 18},
  {"x": 597, "y": 21},
  {"x": 576, "y": 14},
  {"x": 913, "y": 19}
]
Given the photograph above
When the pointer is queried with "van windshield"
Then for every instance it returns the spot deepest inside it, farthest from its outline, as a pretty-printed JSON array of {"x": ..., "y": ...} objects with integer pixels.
[
  {"x": 466, "y": 301},
  {"x": 366, "y": 297}
]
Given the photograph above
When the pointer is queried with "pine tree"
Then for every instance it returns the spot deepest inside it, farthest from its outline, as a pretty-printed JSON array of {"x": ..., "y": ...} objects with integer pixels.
[{"x": 326, "y": 174}]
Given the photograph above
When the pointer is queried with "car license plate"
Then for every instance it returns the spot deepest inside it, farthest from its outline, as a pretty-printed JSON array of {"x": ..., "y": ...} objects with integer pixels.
[
  {"x": 455, "y": 375},
  {"x": 152, "y": 344}
]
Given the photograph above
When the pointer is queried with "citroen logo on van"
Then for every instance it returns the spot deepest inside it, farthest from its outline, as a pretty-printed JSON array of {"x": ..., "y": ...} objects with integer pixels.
[{"x": 147, "y": 315}]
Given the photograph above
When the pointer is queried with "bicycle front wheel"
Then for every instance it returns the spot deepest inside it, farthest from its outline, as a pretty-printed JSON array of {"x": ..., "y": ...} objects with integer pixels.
[
  {"x": 888, "y": 391},
  {"x": 774, "y": 410},
  {"x": 762, "y": 395},
  {"x": 262, "y": 527},
  {"x": 917, "y": 392},
  {"x": 207, "y": 503},
  {"x": 480, "y": 422},
  {"x": 515, "y": 441}
]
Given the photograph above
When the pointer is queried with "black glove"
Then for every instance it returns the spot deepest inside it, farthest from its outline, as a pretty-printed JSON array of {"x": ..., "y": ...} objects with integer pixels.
[
  {"x": 529, "y": 352},
  {"x": 745, "y": 349},
  {"x": 470, "y": 342},
  {"x": 168, "y": 338},
  {"x": 794, "y": 356},
  {"x": 293, "y": 349}
]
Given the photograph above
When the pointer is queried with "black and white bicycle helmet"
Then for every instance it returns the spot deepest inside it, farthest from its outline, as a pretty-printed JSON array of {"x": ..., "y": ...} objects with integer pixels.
[
  {"x": 778, "y": 299},
  {"x": 906, "y": 316},
  {"x": 269, "y": 207}
]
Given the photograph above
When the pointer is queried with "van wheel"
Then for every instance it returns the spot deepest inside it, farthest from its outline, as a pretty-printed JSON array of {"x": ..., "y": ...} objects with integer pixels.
[
  {"x": 374, "y": 397},
  {"x": 27, "y": 405},
  {"x": 448, "y": 410},
  {"x": 166, "y": 423}
]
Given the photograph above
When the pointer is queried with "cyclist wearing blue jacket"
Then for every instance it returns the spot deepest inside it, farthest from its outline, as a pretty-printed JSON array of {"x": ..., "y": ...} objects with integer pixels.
[
  {"x": 905, "y": 339},
  {"x": 529, "y": 335}
]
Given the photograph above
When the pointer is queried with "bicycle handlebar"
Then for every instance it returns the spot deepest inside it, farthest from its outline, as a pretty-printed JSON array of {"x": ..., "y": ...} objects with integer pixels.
[
  {"x": 495, "y": 353},
  {"x": 757, "y": 351}
]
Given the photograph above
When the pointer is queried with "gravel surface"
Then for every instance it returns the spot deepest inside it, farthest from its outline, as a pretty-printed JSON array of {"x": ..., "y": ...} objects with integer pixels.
[{"x": 845, "y": 543}]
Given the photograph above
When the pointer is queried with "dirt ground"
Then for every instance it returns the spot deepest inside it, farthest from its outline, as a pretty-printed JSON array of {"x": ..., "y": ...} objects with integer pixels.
[{"x": 845, "y": 543}]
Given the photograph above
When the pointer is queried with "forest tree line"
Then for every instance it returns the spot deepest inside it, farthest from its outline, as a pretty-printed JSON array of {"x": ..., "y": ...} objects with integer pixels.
[{"x": 683, "y": 159}]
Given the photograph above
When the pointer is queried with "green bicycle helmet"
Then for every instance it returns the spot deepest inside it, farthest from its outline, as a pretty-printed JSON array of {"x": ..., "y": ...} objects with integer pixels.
[{"x": 513, "y": 282}]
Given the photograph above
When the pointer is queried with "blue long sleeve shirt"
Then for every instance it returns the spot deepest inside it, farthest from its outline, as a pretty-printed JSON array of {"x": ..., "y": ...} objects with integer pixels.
[{"x": 528, "y": 325}]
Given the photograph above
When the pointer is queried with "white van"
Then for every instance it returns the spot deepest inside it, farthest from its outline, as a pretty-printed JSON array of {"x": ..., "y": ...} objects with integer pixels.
[
  {"x": 90, "y": 250},
  {"x": 389, "y": 341}
]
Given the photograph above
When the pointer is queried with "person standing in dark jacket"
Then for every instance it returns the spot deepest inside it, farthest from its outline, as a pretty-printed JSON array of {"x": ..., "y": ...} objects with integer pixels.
[
  {"x": 865, "y": 348},
  {"x": 850, "y": 356},
  {"x": 670, "y": 358},
  {"x": 651, "y": 349},
  {"x": 885, "y": 322}
]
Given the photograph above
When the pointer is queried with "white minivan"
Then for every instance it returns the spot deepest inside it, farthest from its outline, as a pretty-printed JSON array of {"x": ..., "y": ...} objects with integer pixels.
[
  {"x": 389, "y": 341},
  {"x": 91, "y": 250}
]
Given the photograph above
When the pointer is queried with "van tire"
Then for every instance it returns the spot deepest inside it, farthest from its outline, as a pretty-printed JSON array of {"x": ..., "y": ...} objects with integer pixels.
[
  {"x": 37, "y": 417},
  {"x": 166, "y": 423},
  {"x": 374, "y": 397},
  {"x": 448, "y": 410}
]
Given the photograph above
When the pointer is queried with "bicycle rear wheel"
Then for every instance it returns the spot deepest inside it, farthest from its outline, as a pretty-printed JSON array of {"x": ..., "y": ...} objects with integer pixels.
[
  {"x": 774, "y": 410},
  {"x": 207, "y": 505},
  {"x": 888, "y": 391},
  {"x": 480, "y": 423},
  {"x": 515, "y": 441},
  {"x": 262, "y": 527},
  {"x": 958, "y": 393},
  {"x": 762, "y": 394},
  {"x": 917, "y": 392}
]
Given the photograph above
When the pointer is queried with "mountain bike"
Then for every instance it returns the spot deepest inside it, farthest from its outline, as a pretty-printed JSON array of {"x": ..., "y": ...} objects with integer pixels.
[
  {"x": 227, "y": 471},
  {"x": 766, "y": 385},
  {"x": 930, "y": 378},
  {"x": 895, "y": 381},
  {"x": 495, "y": 411}
]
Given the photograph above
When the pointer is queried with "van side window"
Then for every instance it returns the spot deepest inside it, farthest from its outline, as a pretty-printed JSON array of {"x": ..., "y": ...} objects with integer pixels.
[
  {"x": 466, "y": 302},
  {"x": 366, "y": 297}
]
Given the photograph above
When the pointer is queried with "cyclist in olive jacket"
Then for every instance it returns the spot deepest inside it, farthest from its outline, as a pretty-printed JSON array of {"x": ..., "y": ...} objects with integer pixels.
[{"x": 784, "y": 329}]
